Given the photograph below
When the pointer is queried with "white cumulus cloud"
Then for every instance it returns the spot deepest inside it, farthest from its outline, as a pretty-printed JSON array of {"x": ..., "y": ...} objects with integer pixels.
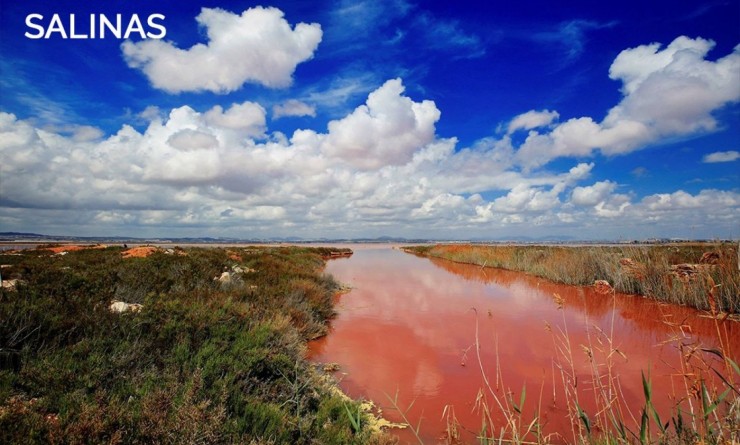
[
  {"x": 247, "y": 118},
  {"x": 673, "y": 91},
  {"x": 721, "y": 156},
  {"x": 592, "y": 194},
  {"x": 387, "y": 130},
  {"x": 380, "y": 169},
  {"x": 667, "y": 93},
  {"x": 258, "y": 46},
  {"x": 188, "y": 139},
  {"x": 293, "y": 107},
  {"x": 532, "y": 119}
]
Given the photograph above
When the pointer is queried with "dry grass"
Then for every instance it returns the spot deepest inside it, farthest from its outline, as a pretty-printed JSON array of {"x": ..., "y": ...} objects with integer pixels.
[{"x": 680, "y": 274}]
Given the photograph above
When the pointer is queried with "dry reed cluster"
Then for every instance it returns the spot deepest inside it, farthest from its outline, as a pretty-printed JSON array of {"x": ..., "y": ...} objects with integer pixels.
[{"x": 682, "y": 274}]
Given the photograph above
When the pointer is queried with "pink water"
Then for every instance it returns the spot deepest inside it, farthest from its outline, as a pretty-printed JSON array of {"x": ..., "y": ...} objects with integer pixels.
[{"x": 408, "y": 327}]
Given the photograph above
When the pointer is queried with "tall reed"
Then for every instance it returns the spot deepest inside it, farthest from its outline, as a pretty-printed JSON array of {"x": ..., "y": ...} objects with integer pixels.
[{"x": 676, "y": 274}]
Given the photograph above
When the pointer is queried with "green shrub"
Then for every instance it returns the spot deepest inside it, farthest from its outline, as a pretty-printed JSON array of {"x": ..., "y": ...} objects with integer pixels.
[{"x": 200, "y": 362}]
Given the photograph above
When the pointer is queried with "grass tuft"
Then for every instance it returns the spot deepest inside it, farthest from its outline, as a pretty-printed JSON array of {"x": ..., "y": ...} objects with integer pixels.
[{"x": 205, "y": 360}]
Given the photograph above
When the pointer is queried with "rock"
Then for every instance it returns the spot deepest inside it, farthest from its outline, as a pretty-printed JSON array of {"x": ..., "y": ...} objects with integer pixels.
[
  {"x": 331, "y": 367},
  {"x": 710, "y": 258},
  {"x": 603, "y": 287},
  {"x": 240, "y": 269},
  {"x": 119, "y": 307},
  {"x": 11, "y": 284},
  {"x": 688, "y": 272}
]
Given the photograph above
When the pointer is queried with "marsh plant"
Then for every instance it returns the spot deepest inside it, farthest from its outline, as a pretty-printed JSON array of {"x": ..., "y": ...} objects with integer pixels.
[
  {"x": 678, "y": 273},
  {"x": 205, "y": 359}
]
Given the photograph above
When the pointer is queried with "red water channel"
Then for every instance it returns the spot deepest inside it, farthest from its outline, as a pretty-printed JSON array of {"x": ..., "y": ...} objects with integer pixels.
[{"x": 408, "y": 327}]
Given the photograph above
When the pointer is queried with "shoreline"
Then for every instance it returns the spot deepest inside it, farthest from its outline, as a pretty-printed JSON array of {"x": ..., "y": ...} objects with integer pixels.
[{"x": 705, "y": 276}]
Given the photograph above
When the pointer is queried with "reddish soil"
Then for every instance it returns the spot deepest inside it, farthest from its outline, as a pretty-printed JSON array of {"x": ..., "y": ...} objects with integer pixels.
[
  {"x": 140, "y": 252},
  {"x": 71, "y": 248}
]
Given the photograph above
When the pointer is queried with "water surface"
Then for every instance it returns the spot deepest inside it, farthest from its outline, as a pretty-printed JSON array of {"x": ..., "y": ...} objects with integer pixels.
[{"x": 408, "y": 327}]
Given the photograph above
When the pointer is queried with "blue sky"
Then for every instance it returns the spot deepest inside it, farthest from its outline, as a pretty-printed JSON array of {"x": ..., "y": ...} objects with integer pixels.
[{"x": 593, "y": 120}]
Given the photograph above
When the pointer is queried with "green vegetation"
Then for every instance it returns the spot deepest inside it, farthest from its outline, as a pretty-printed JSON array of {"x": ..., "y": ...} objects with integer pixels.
[
  {"x": 704, "y": 276},
  {"x": 204, "y": 360}
]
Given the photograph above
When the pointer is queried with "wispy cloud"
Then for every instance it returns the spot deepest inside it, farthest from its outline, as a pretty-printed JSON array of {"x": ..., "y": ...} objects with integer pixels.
[
  {"x": 354, "y": 25},
  {"x": 448, "y": 35},
  {"x": 351, "y": 18},
  {"x": 571, "y": 37},
  {"x": 640, "y": 172},
  {"x": 393, "y": 21},
  {"x": 15, "y": 81},
  {"x": 341, "y": 91},
  {"x": 704, "y": 8}
]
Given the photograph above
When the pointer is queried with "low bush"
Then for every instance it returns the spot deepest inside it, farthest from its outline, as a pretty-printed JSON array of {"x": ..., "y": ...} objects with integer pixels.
[{"x": 203, "y": 361}]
